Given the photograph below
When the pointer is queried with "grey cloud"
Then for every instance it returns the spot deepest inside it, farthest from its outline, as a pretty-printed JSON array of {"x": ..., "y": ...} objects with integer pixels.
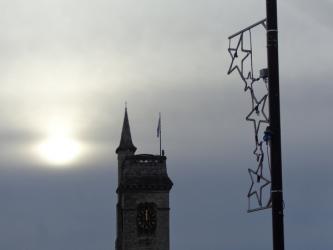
[
  {"x": 320, "y": 12},
  {"x": 85, "y": 60}
]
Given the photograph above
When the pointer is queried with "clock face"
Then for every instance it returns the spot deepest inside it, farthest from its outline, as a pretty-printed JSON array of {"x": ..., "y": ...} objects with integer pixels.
[{"x": 146, "y": 218}]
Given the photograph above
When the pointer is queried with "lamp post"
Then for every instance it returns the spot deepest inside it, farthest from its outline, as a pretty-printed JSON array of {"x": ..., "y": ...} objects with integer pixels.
[
  {"x": 272, "y": 135},
  {"x": 275, "y": 127}
]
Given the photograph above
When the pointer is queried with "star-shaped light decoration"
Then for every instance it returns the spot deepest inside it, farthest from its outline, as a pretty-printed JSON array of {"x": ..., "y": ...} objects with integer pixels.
[
  {"x": 258, "y": 183},
  {"x": 254, "y": 94},
  {"x": 234, "y": 53},
  {"x": 249, "y": 80},
  {"x": 258, "y": 116},
  {"x": 259, "y": 152}
]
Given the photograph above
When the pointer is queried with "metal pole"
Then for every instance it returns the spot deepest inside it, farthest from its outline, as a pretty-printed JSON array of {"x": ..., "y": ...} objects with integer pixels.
[
  {"x": 160, "y": 135},
  {"x": 161, "y": 144},
  {"x": 275, "y": 128}
]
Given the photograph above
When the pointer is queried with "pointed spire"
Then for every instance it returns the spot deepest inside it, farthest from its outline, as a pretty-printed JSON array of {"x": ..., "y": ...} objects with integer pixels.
[{"x": 126, "y": 143}]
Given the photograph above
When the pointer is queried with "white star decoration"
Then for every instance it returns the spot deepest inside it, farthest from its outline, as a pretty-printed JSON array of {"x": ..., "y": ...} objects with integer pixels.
[
  {"x": 241, "y": 61},
  {"x": 237, "y": 62},
  {"x": 258, "y": 152},
  {"x": 258, "y": 183},
  {"x": 258, "y": 116}
]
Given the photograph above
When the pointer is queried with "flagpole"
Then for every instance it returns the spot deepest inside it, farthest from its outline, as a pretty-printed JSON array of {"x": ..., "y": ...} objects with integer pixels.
[{"x": 160, "y": 135}]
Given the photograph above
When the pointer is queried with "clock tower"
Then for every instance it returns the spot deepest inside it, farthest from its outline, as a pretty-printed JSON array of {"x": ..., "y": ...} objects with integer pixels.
[{"x": 143, "y": 197}]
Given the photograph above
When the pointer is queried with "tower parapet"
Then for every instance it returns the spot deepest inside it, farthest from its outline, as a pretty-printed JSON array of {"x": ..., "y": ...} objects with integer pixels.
[{"x": 145, "y": 172}]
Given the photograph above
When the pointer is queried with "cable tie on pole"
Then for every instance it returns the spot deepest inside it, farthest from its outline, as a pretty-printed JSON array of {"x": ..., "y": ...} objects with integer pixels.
[{"x": 272, "y": 30}]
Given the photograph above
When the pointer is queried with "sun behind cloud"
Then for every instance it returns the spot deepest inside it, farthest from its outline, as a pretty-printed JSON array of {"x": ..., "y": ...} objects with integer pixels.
[{"x": 59, "y": 150}]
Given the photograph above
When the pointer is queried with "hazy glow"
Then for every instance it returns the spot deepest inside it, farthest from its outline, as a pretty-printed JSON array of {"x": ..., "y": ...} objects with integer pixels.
[{"x": 60, "y": 148}]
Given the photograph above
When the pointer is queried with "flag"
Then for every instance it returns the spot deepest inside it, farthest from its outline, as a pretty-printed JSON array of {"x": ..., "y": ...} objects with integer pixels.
[{"x": 159, "y": 126}]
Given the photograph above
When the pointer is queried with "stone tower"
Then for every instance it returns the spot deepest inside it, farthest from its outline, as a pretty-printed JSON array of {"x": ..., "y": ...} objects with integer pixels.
[{"x": 143, "y": 197}]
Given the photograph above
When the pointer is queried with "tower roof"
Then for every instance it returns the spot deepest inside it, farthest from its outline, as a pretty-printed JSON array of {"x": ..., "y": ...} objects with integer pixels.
[{"x": 126, "y": 143}]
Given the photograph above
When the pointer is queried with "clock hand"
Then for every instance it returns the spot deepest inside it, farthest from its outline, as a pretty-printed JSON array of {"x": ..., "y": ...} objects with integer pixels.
[{"x": 146, "y": 214}]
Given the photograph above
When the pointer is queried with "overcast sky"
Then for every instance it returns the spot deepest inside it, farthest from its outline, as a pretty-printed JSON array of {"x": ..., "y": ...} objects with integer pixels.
[{"x": 70, "y": 64}]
